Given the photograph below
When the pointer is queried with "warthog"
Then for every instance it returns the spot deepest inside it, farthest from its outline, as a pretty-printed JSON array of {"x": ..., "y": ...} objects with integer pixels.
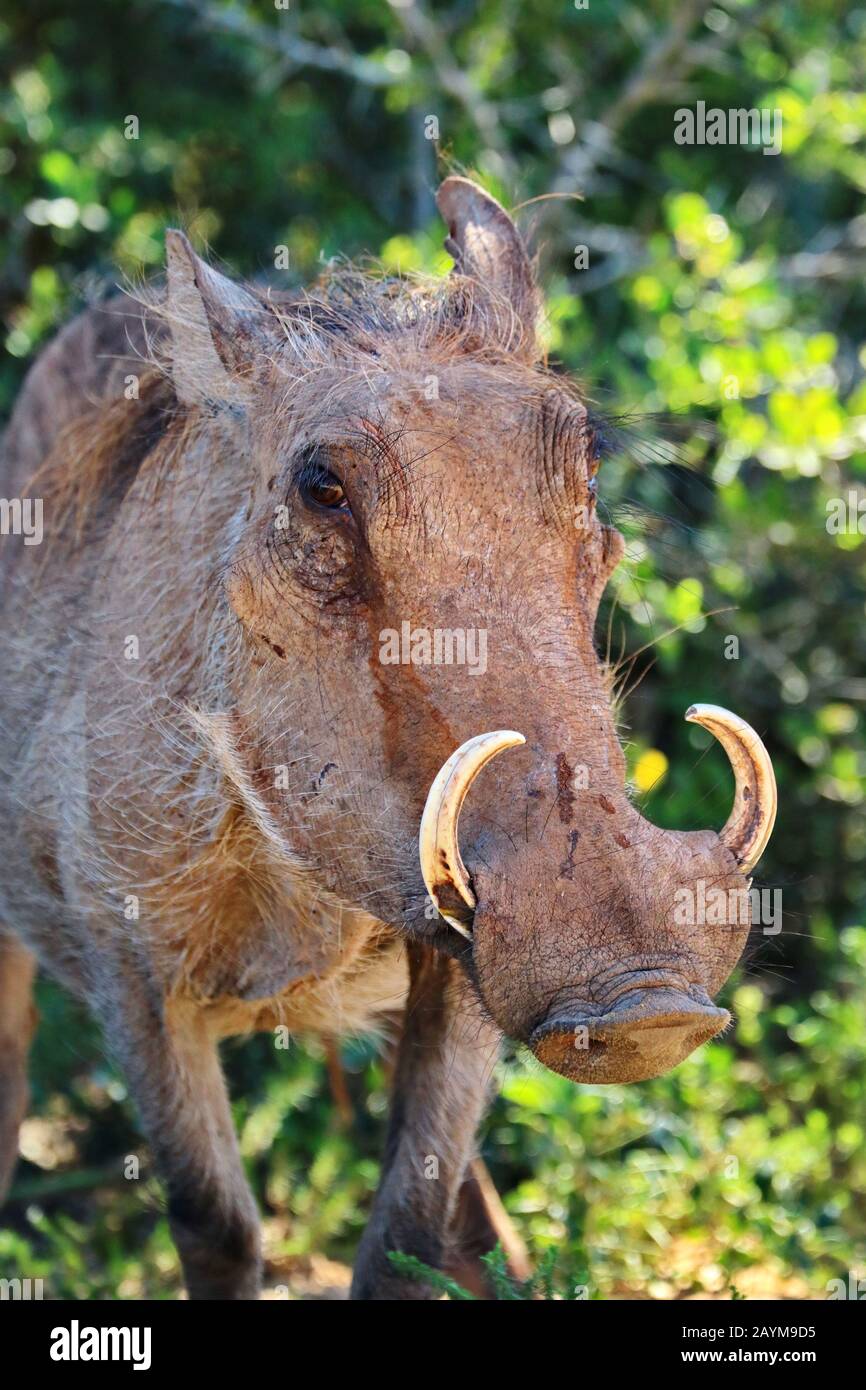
[{"x": 214, "y": 783}]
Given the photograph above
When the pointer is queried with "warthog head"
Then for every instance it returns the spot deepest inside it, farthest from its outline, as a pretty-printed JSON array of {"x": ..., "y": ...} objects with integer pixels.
[{"x": 416, "y": 569}]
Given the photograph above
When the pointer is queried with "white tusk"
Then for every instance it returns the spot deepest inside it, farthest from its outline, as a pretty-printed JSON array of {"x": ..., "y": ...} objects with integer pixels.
[
  {"x": 441, "y": 864},
  {"x": 750, "y": 824}
]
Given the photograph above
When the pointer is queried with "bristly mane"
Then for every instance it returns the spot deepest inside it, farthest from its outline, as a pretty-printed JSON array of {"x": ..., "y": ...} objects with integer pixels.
[
  {"x": 358, "y": 307},
  {"x": 96, "y": 458}
]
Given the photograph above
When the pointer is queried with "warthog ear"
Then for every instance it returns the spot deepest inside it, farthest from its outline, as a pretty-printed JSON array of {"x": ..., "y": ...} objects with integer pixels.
[
  {"x": 487, "y": 247},
  {"x": 216, "y": 327}
]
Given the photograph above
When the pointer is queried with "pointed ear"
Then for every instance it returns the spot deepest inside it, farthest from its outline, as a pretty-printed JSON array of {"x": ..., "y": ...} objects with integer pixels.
[
  {"x": 216, "y": 327},
  {"x": 487, "y": 247}
]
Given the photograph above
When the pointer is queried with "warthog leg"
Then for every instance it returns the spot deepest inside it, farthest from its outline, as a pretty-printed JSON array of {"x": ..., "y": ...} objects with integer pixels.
[
  {"x": 480, "y": 1224},
  {"x": 442, "y": 1077},
  {"x": 17, "y": 1025},
  {"x": 172, "y": 1065}
]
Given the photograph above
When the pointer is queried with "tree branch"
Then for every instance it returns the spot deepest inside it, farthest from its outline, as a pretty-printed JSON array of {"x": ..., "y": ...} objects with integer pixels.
[{"x": 240, "y": 24}]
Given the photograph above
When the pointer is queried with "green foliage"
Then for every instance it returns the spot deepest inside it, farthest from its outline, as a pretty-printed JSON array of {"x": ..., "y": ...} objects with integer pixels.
[
  {"x": 547, "y": 1282},
  {"x": 414, "y": 1268},
  {"x": 724, "y": 287}
]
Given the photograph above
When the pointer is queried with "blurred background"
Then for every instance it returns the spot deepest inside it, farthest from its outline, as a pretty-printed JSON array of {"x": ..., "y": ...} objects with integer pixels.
[{"x": 711, "y": 299}]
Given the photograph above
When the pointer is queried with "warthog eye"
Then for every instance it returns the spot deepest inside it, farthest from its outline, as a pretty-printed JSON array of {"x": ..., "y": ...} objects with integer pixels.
[{"x": 321, "y": 488}]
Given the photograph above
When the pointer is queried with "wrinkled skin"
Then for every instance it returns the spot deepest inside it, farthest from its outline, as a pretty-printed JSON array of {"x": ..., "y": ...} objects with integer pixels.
[
  {"x": 576, "y": 889},
  {"x": 253, "y": 778}
]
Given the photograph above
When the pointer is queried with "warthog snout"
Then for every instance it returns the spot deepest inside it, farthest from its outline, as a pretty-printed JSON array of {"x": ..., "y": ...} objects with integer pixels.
[
  {"x": 587, "y": 938},
  {"x": 646, "y": 1032}
]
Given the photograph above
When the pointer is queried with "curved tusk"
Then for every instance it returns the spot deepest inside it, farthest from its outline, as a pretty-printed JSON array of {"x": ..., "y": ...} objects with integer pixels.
[
  {"x": 441, "y": 864},
  {"x": 750, "y": 824}
]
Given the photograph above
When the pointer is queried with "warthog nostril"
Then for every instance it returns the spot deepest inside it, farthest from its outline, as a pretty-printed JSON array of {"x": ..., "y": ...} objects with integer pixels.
[{"x": 647, "y": 1032}]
